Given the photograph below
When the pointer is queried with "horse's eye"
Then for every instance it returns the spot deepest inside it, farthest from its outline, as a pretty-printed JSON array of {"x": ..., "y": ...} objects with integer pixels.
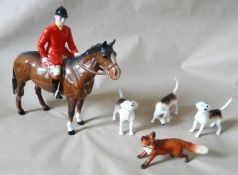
[{"x": 104, "y": 56}]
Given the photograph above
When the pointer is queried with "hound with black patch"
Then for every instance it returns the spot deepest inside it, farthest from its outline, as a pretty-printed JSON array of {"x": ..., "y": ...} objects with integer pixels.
[
  {"x": 125, "y": 109},
  {"x": 162, "y": 108},
  {"x": 204, "y": 114}
]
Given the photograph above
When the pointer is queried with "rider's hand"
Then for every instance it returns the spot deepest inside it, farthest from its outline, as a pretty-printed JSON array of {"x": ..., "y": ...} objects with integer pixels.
[
  {"x": 46, "y": 62},
  {"x": 76, "y": 54}
]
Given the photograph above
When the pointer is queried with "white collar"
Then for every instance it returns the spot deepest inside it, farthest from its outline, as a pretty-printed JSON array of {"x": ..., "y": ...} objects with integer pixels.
[{"x": 147, "y": 150}]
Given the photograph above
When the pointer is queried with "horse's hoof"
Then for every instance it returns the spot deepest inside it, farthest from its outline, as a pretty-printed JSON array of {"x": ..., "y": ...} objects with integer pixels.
[
  {"x": 71, "y": 132},
  {"x": 81, "y": 123},
  {"x": 197, "y": 135},
  {"x": 22, "y": 112},
  {"x": 47, "y": 108}
]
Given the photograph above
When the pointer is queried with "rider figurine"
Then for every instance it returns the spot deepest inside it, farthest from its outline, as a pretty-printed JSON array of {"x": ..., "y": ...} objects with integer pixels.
[{"x": 56, "y": 36}]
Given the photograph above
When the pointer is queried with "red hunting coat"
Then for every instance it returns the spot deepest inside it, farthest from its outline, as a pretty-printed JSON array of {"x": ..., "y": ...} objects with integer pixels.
[{"x": 56, "y": 40}]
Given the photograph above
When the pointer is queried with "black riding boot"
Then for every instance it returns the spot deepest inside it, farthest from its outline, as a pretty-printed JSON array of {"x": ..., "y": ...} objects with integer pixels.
[{"x": 55, "y": 84}]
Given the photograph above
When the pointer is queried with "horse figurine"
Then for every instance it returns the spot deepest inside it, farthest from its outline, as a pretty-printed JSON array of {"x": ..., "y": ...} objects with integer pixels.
[{"x": 77, "y": 77}]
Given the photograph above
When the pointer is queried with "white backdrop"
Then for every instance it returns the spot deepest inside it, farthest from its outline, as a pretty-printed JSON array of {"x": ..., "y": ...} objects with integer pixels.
[{"x": 156, "y": 40}]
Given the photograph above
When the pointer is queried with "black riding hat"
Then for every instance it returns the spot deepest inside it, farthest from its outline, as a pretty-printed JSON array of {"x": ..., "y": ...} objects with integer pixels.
[{"x": 61, "y": 11}]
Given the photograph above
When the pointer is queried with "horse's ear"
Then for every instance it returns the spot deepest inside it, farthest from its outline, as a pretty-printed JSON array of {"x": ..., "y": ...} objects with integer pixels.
[
  {"x": 111, "y": 44},
  {"x": 104, "y": 44}
]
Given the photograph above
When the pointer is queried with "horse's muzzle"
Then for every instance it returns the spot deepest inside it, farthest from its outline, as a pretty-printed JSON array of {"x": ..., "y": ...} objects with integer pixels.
[{"x": 115, "y": 72}]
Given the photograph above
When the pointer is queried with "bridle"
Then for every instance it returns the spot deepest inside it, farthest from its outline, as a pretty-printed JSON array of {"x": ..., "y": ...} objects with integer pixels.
[{"x": 105, "y": 70}]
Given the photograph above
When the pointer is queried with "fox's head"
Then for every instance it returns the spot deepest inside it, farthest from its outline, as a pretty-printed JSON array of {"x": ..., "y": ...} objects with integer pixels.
[{"x": 148, "y": 140}]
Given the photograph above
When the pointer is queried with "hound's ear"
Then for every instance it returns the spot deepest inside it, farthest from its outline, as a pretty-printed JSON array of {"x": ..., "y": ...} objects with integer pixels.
[
  {"x": 112, "y": 43},
  {"x": 123, "y": 104},
  {"x": 104, "y": 44},
  {"x": 197, "y": 105},
  {"x": 152, "y": 135}
]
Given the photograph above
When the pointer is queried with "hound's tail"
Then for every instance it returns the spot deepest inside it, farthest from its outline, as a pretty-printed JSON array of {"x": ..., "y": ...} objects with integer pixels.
[
  {"x": 225, "y": 105},
  {"x": 198, "y": 149},
  {"x": 120, "y": 93},
  {"x": 176, "y": 86},
  {"x": 14, "y": 82}
]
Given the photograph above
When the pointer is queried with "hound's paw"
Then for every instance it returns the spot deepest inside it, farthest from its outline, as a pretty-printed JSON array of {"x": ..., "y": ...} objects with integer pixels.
[
  {"x": 176, "y": 113},
  {"x": 131, "y": 133},
  {"x": 139, "y": 156},
  {"x": 191, "y": 130},
  {"x": 218, "y": 133},
  {"x": 197, "y": 135},
  {"x": 121, "y": 133},
  {"x": 212, "y": 125},
  {"x": 152, "y": 121}
]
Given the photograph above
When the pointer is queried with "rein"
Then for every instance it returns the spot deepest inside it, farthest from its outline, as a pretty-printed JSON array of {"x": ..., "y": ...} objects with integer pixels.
[{"x": 98, "y": 73}]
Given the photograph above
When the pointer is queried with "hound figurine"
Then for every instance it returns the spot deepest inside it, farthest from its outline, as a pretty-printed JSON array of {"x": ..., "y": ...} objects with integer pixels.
[
  {"x": 204, "y": 114},
  {"x": 162, "y": 108},
  {"x": 125, "y": 109}
]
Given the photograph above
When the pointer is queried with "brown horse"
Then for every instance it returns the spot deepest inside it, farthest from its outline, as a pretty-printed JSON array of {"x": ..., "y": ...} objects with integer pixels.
[{"x": 77, "y": 77}]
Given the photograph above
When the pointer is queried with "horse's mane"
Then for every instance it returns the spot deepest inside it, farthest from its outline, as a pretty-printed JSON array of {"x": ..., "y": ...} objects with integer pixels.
[
  {"x": 95, "y": 48},
  {"x": 105, "y": 48}
]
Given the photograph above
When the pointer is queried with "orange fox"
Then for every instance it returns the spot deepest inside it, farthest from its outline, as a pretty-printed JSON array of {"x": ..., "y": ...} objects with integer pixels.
[{"x": 173, "y": 146}]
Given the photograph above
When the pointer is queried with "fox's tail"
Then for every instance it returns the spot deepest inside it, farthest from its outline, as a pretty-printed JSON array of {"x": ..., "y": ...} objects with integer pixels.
[
  {"x": 225, "y": 105},
  {"x": 120, "y": 93},
  {"x": 199, "y": 149},
  {"x": 176, "y": 86}
]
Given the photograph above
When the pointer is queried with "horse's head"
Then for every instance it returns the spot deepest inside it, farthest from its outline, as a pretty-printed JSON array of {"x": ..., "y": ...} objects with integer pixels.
[{"x": 106, "y": 58}]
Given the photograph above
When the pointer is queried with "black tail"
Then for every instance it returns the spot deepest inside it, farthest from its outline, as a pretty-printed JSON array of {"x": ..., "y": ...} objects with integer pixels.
[{"x": 14, "y": 82}]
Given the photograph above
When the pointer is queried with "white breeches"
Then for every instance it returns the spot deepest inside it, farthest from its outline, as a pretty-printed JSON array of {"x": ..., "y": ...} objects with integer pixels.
[{"x": 55, "y": 70}]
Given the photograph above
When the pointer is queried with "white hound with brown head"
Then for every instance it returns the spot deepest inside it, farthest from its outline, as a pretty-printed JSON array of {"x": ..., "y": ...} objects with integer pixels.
[{"x": 125, "y": 109}]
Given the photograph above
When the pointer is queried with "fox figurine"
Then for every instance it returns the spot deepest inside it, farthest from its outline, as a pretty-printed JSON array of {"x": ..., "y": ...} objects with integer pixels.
[{"x": 173, "y": 146}]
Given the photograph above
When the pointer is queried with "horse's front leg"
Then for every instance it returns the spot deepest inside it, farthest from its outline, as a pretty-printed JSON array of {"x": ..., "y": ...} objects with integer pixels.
[
  {"x": 78, "y": 112},
  {"x": 71, "y": 110}
]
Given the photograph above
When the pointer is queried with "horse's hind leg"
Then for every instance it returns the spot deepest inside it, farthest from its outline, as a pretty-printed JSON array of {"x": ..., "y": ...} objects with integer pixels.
[
  {"x": 45, "y": 107},
  {"x": 19, "y": 94}
]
